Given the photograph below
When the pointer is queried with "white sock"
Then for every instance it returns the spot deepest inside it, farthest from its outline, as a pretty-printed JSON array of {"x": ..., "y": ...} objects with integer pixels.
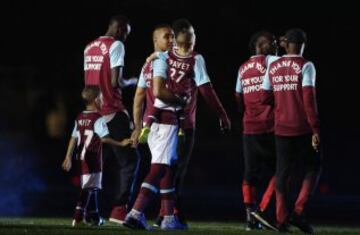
[
  {"x": 168, "y": 217},
  {"x": 136, "y": 214}
]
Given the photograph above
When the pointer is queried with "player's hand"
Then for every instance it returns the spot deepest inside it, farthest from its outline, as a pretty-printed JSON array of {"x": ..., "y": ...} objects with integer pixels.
[
  {"x": 135, "y": 137},
  {"x": 126, "y": 142},
  {"x": 316, "y": 142},
  {"x": 225, "y": 125},
  {"x": 152, "y": 57},
  {"x": 66, "y": 165}
]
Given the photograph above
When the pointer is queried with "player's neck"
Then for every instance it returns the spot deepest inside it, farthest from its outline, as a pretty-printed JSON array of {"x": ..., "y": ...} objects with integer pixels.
[
  {"x": 109, "y": 34},
  {"x": 156, "y": 49},
  {"x": 90, "y": 107},
  {"x": 293, "y": 53}
]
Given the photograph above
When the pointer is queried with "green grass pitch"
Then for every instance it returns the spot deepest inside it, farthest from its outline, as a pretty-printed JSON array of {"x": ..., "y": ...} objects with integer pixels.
[{"x": 46, "y": 226}]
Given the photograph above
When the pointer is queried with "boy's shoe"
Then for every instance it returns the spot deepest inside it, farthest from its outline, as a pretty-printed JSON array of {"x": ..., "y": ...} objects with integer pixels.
[{"x": 171, "y": 222}]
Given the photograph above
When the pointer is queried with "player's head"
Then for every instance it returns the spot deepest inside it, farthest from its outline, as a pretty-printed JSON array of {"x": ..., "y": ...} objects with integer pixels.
[
  {"x": 294, "y": 41},
  {"x": 119, "y": 27},
  {"x": 163, "y": 37},
  {"x": 263, "y": 43},
  {"x": 90, "y": 95},
  {"x": 184, "y": 33}
]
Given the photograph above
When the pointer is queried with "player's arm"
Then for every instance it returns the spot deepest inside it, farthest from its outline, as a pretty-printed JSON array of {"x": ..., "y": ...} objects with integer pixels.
[
  {"x": 159, "y": 81},
  {"x": 153, "y": 56},
  {"x": 66, "y": 165},
  {"x": 213, "y": 101},
  {"x": 101, "y": 129},
  {"x": 117, "y": 54},
  {"x": 207, "y": 91},
  {"x": 116, "y": 76},
  {"x": 266, "y": 93},
  {"x": 239, "y": 96},
  {"x": 309, "y": 99},
  {"x": 161, "y": 92},
  {"x": 108, "y": 140},
  {"x": 139, "y": 100}
]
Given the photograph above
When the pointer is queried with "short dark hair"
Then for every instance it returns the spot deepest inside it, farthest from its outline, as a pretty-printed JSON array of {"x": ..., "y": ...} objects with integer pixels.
[
  {"x": 256, "y": 36},
  {"x": 120, "y": 19},
  {"x": 296, "y": 35},
  {"x": 180, "y": 25},
  {"x": 161, "y": 26},
  {"x": 90, "y": 93}
]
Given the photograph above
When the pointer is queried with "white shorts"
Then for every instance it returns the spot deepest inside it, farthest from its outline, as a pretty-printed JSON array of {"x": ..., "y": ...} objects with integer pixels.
[
  {"x": 92, "y": 180},
  {"x": 162, "y": 142}
]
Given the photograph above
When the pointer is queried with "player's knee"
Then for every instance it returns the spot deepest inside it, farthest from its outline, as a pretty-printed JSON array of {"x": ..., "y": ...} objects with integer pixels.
[{"x": 157, "y": 171}]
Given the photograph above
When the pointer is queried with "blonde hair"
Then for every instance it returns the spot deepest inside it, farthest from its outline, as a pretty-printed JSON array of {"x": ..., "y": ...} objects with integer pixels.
[{"x": 90, "y": 93}]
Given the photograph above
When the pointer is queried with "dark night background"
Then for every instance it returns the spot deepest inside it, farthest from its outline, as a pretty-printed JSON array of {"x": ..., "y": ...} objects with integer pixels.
[{"x": 41, "y": 78}]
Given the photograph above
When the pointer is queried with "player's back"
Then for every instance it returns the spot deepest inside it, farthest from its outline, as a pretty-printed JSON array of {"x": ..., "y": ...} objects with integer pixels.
[
  {"x": 97, "y": 67},
  {"x": 258, "y": 117},
  {"x": 186, "y": 74},
  {"x": 89, "y": 143},
  {"x": 286, "y": 78},
  {"x": 181, "y": 73},
  {"x": 96, "y": 60},
  {"x": 146, "y": 81}
]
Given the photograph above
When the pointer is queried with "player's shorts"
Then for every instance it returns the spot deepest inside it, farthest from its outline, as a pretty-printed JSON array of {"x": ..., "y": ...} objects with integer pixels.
[
  {"x": 92, "y": 180},
  {"x": 162, "y": 142}
]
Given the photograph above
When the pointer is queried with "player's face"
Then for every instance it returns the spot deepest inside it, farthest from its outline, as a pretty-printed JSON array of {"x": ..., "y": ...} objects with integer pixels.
[
  {"x": 266, "y": 46},
  {"x": 97, "y": 103},
  {"x": 187, "y": 36},
  {"x": 165, "y": 39}
]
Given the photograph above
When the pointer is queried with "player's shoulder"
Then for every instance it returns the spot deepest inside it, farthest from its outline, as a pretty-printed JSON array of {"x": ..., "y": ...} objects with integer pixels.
[
  {"x": 80, "y": 115},
  {"x": 308, "y": 65},
  {"x": 306, "y": 61},
  {"x": 251, "y": 59},
  {"x": 271, "y": 59},
  {"x": 198, "y": 57},
  {"x": 160, "y": 59},
  {"x": 117, "y": 44},
  {"x": 300, "y": 60},
  {"x": 146, "y": 65},
  {"x": 97, "y": 114},
  {"x": 163, "y": 55},
  {"x": 98, "y": 118},
  {"x": 244, "y": 63},
  {"x": 90, "y": 114}
]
